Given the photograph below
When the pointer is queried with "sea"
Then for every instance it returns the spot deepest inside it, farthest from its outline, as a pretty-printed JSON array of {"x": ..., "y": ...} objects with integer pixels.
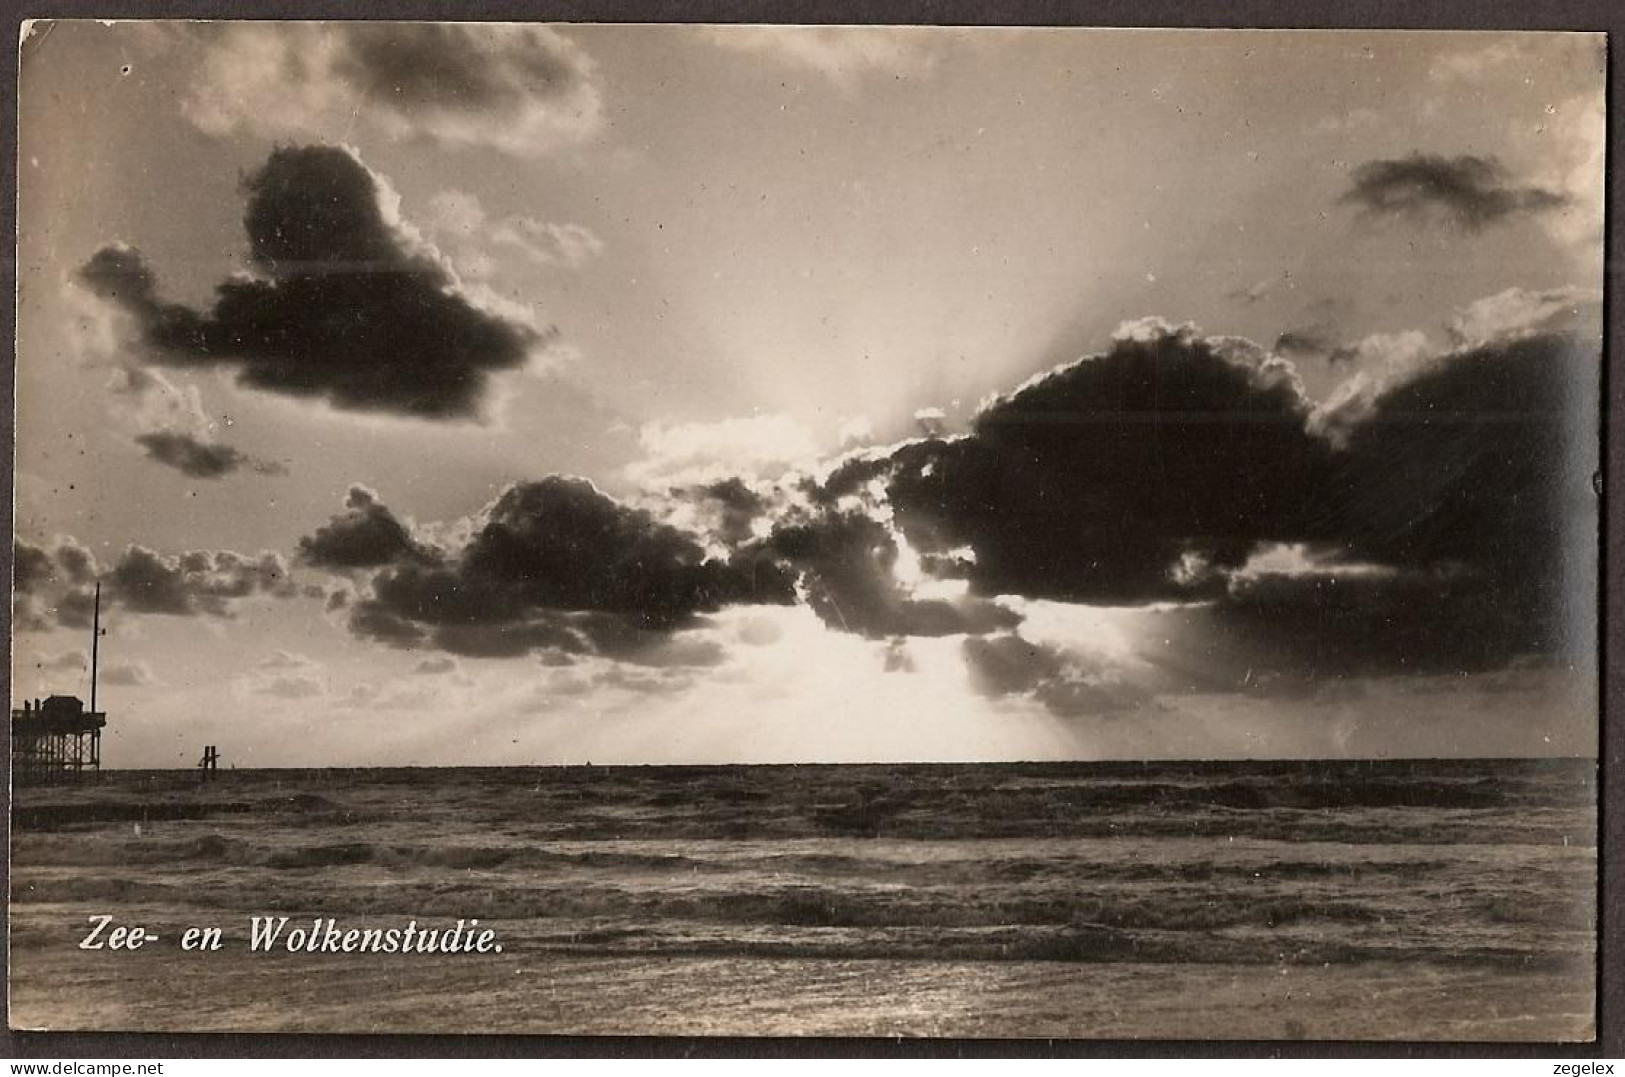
[{"x": 1348, "y": 900}]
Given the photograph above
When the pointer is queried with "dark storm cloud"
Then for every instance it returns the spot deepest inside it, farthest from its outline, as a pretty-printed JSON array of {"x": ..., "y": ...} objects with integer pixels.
[
  {"x": 1446, "y": 528},
  {"x": 348, "y": 307},
  {"x": 1451, "y": 522},
  {"x": 1481, "y": 465},
  {"x": 1468, "y": 191},
  {"x": 199, "y": 459},
  {"x": 729, "y": 508},
  {"x": 1471, "y": 460},
  {"x": 848, "y": 561},
  {"x": 368, "y": 535},
  {"x": 562, "y": 544},
  {"x": 734, "y": 494},
  {"x": 1066, "y": 685},
  {"x": 1311, "y": 628},
  {"x": 557, "y": 565},
  {"x": 1134, "y": 476}
]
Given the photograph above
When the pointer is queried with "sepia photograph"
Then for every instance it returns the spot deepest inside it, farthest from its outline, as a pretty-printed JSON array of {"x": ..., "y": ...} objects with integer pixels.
[{"x": 642, "y": 529}]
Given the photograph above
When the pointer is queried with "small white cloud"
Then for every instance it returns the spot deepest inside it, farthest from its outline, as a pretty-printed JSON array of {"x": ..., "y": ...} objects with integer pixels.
[{"x": 1153, "y": 328}]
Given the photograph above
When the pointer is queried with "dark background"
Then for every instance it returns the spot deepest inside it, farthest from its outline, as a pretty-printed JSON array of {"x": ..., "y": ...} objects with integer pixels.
[{"x": 1603, "y": 15}]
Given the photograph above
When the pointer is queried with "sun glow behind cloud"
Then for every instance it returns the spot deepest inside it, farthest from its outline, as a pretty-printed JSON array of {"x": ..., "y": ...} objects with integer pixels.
[
  {"x": 776, "y": 253},
  {"x": 813, "y": 693}
]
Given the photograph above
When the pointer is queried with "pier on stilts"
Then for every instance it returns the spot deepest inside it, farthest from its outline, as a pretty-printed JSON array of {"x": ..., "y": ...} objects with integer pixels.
[{"x": 57, "y": 738}]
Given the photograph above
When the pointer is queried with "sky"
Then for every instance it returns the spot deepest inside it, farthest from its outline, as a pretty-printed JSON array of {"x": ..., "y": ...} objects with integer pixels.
[{"x": 443, "y": 394}]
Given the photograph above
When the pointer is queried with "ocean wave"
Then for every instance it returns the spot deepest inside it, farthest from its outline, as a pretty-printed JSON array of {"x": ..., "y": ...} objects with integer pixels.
[{"x": 1443, "y": 862}]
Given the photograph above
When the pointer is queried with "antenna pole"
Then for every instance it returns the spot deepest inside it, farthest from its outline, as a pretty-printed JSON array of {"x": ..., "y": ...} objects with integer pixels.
[{"x": 95, "y": 645}]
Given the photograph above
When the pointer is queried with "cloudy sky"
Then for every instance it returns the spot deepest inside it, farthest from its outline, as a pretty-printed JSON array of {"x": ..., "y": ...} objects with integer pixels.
[{"x": 485, "y": 394}]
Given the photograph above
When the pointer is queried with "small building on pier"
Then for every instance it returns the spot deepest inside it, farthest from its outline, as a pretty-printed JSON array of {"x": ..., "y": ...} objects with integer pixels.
[{"x": 54, "y": 739}]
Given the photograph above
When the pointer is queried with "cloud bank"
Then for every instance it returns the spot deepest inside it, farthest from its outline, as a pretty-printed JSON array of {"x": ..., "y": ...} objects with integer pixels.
[
  {"x": 53, "y": 585},
  {"x": 1433, "y": 516},
  {"x": 551, "y": 565}
]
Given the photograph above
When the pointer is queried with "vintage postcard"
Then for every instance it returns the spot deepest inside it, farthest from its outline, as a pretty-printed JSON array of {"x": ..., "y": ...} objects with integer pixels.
[{"x": 768, "y": 530}]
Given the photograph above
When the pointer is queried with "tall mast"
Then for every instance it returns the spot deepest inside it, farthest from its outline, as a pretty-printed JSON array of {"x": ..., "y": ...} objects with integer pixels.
[{"x": 95, "y": 645}]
